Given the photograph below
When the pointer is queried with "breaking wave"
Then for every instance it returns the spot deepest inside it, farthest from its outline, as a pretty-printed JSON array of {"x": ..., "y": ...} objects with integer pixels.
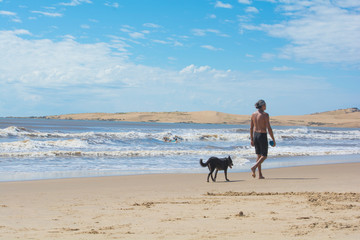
[{"x": 190, "y": 135}]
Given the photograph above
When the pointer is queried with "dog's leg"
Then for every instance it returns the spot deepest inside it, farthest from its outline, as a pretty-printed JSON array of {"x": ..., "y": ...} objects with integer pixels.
[
  {"x": 210, "y": 174},
  {"x": 225, "y": 171},
  {"x": 216, "y": 174}
]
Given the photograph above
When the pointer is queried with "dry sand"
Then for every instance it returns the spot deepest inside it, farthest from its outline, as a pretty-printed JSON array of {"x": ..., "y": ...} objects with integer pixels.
[
  {"x": 339, "y": 118},
  {"x": 310, "y": 202}
]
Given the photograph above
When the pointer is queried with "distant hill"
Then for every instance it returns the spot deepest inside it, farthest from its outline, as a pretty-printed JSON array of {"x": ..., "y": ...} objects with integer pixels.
[
  {"x": 341, "y": 111},
  {"x": 339, "y": 118},
  {"x": 349, "y": 117}
]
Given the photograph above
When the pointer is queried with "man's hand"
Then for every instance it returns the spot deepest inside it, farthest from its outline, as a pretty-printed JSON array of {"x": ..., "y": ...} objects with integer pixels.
[{"x": 252, "y": 143}]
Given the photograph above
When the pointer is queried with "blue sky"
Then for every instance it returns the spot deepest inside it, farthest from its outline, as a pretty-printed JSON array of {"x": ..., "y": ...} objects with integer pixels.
[{"x": 75, "y": 56}]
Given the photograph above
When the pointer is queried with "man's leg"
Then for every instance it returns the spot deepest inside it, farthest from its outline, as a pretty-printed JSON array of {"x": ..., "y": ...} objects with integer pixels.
[
  {"x": 260, "y": 173},
  {"x": 253, "y": 169},
  {"x": 263, "y": 158},
  {"x": 258, "y": 163},
  {"x": 263, "y": 151}
]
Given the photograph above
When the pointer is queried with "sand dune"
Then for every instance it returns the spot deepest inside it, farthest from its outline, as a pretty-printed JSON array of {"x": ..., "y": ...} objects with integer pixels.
[{"x": 339, "y": 118}]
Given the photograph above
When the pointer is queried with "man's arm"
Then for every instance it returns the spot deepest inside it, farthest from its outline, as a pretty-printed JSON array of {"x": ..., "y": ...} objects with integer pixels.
[
  {"x": 268, "y": 126},
  {"x": 252, "y": 130}
]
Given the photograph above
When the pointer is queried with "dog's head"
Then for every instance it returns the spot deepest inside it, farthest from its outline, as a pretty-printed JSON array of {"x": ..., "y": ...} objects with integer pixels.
[{"x": 229, "y": 162}]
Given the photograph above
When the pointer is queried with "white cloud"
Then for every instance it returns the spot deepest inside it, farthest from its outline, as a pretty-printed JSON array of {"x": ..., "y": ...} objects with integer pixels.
[
  {"x": 7, "y": 13},
  {"x": 317, "y": 31},
  {"x": 347, "y": 3},
  {"x": 125, "y": 30},
  {"x": 268, "y": 56},
  {"x": 74, "y": 3},
  {"x": 193, "y": 69},
  {"x": 17, "y": 20},
  {"x": 114, "y": 5},
  {"x": 12, "y": 15},
  {"x": 85, "y": 26},
  {"x": 16, "y": 32},
  {"x": 203, "y": 32},
  {"x": 178, "y": 44},
  {"x": 212, "y": 48},
  {"x": 151, "y": 25},
  {"x": 48, "y": 14},
  {"x": 68, "y": 36},
  {"x": 119, "y": 45},
  {"x": 251, "y": 27},
  {"x": 251, "y": 10},
  {"x": 137, "y": 35},
  {"x": 48, "y": 63},
  {"x": 283, "y": 68},
  {"x": 199, "y": 32},
  {"x": 220, "y": 4},
  {"x": 128, "y": 27},
  {"x": 271, "y": 1},
  {"x": 244, "y": 1},
  {"x": 160, "y": 41}
]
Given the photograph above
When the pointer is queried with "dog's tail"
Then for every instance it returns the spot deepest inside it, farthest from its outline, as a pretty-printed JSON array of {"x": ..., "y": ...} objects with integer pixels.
[{"x": 203, "y": 164}]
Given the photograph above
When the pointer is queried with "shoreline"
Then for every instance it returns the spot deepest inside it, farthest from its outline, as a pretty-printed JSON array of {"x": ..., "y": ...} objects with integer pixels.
[
  {"x": 273, "y": 162},
  {"x": 306, "y": 202},
  {"x": 168, "y": 174},
  {"x": 159, "y": 175}
]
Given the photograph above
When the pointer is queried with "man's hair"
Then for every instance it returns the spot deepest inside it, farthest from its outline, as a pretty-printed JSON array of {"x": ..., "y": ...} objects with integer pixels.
[{"x": 260, "y": 103}]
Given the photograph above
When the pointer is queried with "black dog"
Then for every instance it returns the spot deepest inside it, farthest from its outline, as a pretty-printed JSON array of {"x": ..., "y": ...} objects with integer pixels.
[{"x": 218, "y": 164}]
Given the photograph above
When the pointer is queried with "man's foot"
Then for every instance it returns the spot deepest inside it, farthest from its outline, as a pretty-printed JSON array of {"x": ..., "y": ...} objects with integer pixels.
[
  {"x": 253, "y": 172},
  {"x": 261, "y": 177}
]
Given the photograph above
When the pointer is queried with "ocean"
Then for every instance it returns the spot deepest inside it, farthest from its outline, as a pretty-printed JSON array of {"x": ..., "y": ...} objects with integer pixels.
[{"x": 32, "y": 149}]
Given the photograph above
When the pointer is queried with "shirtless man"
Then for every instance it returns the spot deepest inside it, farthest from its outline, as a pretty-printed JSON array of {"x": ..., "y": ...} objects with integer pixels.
[{"x": 260, "y": 125}]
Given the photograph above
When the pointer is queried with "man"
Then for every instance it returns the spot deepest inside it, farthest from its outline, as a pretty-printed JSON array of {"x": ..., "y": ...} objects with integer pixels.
[{"x": 260, "y": 125}]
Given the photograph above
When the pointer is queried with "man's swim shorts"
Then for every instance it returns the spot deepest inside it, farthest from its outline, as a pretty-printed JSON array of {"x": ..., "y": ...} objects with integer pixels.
[{"x": 261, "y": 143}]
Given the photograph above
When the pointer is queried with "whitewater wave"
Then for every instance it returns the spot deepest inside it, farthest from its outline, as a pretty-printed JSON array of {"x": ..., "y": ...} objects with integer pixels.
[
  {"x": 32, "y": 145},
  {"x": 226, "y": 135},
  {"x": 241, "y": 153},
  {"x": 136, "y": 153},
  {"x": 320, "y": 134}
]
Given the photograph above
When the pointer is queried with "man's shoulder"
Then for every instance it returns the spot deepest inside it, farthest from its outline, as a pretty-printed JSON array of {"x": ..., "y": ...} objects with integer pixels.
[
  {"x": 266, "y": 116},
  {"x": 255, "y": 114},
  {"x": 261, "y": 113}
]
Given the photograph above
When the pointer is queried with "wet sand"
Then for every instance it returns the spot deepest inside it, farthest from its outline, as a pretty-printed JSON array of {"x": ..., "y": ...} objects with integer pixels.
[{"x": 309, "y": 202}]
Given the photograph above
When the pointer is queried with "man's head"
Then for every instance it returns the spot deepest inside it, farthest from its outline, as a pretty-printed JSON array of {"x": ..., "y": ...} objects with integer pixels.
[{"x": 259, "y": 104}]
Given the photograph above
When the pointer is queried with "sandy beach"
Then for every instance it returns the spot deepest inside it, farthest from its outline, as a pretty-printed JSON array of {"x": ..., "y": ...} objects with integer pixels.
[
  {"x": 309, "y": 202},
  {"x": 348, "y": 118}
]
